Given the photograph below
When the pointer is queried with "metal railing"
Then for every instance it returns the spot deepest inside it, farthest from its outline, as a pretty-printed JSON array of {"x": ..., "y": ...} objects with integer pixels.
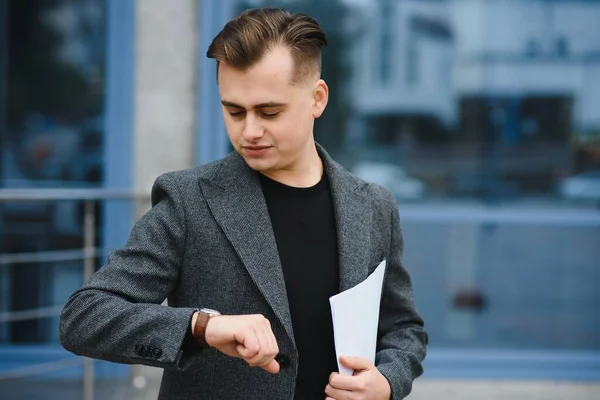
[
  {"x": 88, "y": 253},
  {"x": 421, "y": 213}
]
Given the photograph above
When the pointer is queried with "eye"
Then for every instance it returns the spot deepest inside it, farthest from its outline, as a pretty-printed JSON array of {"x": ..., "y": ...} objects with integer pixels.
[
  {"x": 271, "y": 115},
  {"x": 236, "y": 114}
]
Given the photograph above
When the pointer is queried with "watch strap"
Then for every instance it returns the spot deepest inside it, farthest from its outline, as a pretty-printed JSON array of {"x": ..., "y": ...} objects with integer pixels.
[{"x": 200, "y": 328}]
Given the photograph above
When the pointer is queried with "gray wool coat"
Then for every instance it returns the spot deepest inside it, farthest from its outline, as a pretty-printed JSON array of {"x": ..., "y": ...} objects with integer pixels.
[{"x": 207, "y": 242}]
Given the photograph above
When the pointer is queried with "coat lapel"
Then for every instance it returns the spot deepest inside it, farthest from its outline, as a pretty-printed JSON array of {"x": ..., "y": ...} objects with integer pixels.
[
  {"x": 236, "y": 200},
  {"x": 352, "y": 210}
]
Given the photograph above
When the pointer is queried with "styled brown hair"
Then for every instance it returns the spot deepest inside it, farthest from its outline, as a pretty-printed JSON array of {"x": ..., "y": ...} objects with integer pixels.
[{"x": 247, "y": 38}]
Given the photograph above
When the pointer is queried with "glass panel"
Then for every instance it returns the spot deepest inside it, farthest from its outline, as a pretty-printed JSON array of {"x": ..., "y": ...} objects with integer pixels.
[
  {"x": 502, "y": 285},
  {"x": 59, "y": 384},
  {"x": 51, "y": 136},
  {"x": 467, "y": 110}
]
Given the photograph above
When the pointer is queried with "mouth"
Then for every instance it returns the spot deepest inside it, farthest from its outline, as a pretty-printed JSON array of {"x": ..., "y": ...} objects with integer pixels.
[{"x": 255, "y": 148}]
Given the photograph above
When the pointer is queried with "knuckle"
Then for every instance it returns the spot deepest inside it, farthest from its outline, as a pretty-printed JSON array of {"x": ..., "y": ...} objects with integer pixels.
[
  {"x": 253, "y": 360},
  {"x": 252, "y": 348},
  {"x": 361, "y": 386}
]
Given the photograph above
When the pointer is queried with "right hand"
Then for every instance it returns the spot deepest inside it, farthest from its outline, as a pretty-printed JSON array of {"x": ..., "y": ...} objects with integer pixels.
[{"x": 248, "y": 337}]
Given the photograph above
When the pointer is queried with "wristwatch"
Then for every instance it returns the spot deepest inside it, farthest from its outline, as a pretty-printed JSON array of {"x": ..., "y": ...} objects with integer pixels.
[{"x": 204, "y": 315}]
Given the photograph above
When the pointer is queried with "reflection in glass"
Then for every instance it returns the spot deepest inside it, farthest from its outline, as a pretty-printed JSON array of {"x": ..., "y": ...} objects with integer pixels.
[
  {"x": 464, "y": 110},
  {"x": 52, "y": 137},
  {"x": 55, "y": 92}
]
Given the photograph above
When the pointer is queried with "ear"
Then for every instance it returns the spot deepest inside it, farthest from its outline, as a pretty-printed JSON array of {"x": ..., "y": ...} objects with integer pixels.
[{"x": 320, "y": 98}]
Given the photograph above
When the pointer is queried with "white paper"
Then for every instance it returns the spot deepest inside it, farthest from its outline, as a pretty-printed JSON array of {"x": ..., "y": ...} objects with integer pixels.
[{"x": 355, "y": 314}]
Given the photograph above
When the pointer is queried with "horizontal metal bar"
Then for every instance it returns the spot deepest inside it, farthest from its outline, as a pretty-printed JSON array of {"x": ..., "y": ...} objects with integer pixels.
[
  {"x": 457, "y": 355},
  {"x": 68, "y": 194},
  {"x": 36, "y": 313},
  {"x": 48, "y": 256},
  {"x": 476, "y": 213},
  {"x": 512, "y": 363},
  {"x": 39, "y": 369},
  {"x": 12, "y": 183},
  {"x": 547, "y": 216}
]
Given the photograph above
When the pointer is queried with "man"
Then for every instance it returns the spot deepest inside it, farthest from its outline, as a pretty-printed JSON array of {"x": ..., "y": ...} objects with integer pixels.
[{"x": 248, "y": 249}]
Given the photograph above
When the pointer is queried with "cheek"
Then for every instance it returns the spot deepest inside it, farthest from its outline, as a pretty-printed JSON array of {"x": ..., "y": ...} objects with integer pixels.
[
  {"x": 291, "y": 131},
  {"x": 233, "y": 129},
  {"x": 291, "y": 139}
]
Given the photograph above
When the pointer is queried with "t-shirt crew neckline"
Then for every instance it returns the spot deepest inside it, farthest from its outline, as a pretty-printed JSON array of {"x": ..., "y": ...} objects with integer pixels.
[{"x": 293, "y": 191}]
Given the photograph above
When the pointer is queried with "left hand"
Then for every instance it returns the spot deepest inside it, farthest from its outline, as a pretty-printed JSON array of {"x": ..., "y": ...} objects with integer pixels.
[{"x": 367, "y": 383}]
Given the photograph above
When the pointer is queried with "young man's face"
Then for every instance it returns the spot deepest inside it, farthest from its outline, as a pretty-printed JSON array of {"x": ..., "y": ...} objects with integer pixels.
[{"x": 268, "y": 118}]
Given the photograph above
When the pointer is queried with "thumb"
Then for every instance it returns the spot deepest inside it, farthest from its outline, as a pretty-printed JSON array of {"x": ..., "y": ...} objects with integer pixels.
[
  {"x": 272, "y": 367},
  {"x": 356, "y": 363}
]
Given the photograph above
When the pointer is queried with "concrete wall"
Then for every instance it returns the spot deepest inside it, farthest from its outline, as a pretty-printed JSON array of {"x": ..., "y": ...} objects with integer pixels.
[{"x": 165, "y": 93}]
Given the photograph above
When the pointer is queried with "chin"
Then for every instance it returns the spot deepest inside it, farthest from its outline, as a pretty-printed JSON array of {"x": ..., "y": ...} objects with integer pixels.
[{"x": 259, "y": 165}]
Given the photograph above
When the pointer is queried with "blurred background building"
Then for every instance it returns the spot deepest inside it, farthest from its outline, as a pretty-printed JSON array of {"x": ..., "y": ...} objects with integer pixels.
[{"x": 481, "y": 116}]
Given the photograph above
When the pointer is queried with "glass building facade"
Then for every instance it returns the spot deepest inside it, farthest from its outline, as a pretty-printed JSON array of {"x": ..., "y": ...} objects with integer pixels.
[{"x": 481, "y": 117}]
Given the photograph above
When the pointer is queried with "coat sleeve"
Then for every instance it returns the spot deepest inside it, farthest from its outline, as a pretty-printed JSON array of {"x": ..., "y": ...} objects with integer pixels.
[
  {"x": 117, "y": 315},
  {"x": 402, "y": 339}
]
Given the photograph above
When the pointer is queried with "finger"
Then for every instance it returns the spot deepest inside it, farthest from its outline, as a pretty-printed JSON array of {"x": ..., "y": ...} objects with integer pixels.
[
  {"x": 266, "y": 336},
  {"x": 356, "y": 363},
  {"x": 240, "y": 349},
  {"x": 261, "y": 358},
  {"x": 273, "y": 346},
  {"x": 249, "y": 342},
  {"x": 272, "y": 367},
  {"x": 269, "y": 348},
  {"x": 345, "y": 382},
  {"x": 338, "y": 394},
  {"x": 268, "y": 344}
]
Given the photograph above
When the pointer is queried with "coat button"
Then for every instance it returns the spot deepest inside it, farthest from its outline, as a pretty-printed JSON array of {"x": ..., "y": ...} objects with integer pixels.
[
  {"x": 282, "y": 360},
  {"x": 155, "y": 352}
]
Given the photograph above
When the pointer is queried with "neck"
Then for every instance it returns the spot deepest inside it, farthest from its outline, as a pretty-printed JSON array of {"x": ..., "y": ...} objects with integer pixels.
[{"x": 306, "y": 172}]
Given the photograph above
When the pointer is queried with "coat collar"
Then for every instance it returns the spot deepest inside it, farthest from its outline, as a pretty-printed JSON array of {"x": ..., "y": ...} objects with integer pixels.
[{"x": 235, "y": 197}]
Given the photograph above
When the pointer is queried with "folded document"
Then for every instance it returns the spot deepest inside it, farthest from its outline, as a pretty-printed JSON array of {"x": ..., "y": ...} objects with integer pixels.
[{"x": 355, "y": 314}]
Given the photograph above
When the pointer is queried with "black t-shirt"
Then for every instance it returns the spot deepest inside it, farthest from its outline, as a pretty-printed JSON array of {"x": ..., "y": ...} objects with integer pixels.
[{"x": 305, "y": 232}]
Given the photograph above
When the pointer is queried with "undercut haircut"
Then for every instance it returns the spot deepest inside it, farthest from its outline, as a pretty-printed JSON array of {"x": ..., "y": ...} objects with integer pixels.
[{"x": 246, "y": 39}]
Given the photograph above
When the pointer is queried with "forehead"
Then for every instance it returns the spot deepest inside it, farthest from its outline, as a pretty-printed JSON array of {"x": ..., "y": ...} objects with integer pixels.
[{"x": 270, "y": 79}]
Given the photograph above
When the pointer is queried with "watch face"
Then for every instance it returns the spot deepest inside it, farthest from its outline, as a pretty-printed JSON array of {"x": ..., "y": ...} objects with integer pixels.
[{"x": 210, "y": 311}]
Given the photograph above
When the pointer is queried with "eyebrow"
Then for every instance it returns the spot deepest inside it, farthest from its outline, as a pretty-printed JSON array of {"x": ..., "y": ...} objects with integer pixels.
[{"x": 261, "y": 105}]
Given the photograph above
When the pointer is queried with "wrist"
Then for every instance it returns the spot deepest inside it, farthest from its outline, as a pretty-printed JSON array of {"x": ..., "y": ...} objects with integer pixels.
[{"x": 200, "y": 321}]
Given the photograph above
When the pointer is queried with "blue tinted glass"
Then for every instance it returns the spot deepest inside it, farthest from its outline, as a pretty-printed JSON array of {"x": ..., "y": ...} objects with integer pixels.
[
  {"x": 483, "y": 120},
  {"x": 52, "y": 93}
]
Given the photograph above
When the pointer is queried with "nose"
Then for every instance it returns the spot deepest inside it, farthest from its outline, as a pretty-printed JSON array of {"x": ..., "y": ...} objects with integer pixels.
[{"x": 253, "y": 129}]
